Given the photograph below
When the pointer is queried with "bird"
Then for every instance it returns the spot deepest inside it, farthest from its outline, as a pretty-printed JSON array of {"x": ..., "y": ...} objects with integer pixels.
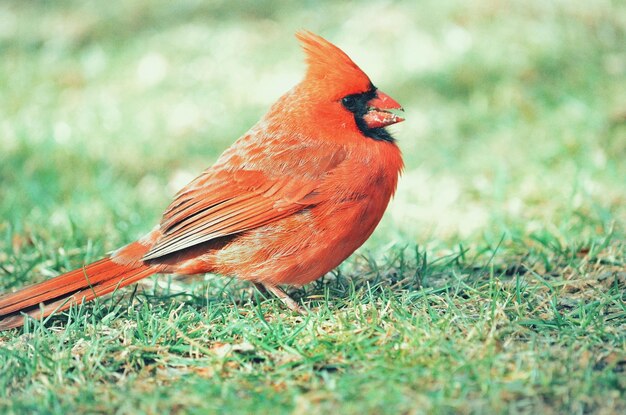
[{"x": 285, "y": 204}]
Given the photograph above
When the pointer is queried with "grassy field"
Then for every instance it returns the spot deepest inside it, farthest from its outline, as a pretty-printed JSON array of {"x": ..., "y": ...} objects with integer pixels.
[{"x": 495, "y": 284}]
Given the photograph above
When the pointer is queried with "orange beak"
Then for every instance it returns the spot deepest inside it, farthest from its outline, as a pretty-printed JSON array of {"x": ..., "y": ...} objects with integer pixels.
[{"x": 378, "y": 114}]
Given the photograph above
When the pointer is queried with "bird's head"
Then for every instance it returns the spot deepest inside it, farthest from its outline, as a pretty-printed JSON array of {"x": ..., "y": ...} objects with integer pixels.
[{"x": 342, "y": 93}]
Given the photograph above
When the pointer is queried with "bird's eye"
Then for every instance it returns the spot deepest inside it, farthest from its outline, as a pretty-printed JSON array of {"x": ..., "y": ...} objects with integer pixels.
[{"x": 349, "y": 101}]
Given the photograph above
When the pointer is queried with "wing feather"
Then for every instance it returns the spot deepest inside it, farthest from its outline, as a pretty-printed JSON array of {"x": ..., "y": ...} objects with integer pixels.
[
  {"x": 226, "y": 201},
  {"x": 234, "y": 213}
]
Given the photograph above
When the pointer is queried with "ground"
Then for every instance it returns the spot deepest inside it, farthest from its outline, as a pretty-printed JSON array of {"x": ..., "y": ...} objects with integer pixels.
[{"x": 494, "y": 284}]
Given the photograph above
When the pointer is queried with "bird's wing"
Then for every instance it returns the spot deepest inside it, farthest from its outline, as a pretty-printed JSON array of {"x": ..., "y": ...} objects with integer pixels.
[{"x": 225, "y": 200}]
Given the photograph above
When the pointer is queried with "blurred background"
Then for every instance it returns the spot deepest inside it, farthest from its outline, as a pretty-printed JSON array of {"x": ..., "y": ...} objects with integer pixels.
[{"x": 515, "y": 111}]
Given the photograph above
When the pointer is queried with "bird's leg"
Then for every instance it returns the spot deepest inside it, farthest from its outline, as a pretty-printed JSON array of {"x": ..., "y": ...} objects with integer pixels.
[{"x": 282, "y": 296}]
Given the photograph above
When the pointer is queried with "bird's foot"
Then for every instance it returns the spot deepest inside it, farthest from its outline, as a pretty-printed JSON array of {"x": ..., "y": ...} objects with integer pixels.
[{"x": 282, "y": 296}]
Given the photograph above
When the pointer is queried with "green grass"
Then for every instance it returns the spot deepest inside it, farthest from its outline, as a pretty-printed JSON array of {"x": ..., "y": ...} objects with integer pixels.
[{"x": 494, "y": 284}]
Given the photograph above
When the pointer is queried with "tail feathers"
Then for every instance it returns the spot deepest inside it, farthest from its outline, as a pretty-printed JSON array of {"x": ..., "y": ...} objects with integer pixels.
[{"x": 60, "y": 293}]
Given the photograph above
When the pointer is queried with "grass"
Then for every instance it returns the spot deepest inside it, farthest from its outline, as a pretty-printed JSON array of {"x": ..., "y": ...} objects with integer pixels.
[{"x": 495, "y": 283}]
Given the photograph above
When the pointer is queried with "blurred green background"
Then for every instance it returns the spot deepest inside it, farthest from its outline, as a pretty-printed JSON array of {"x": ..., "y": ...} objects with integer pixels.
[
  {"x": 515, "y": 109},
  {"x": 515, "y": 148}
]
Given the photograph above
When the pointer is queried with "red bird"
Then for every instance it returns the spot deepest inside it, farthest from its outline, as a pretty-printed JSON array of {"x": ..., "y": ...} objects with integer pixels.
[{"x": 285, "y": 204}]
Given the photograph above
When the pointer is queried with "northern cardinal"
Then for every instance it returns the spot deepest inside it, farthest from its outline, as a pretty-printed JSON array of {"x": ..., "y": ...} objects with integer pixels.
[{"x": 285, "y": 204}]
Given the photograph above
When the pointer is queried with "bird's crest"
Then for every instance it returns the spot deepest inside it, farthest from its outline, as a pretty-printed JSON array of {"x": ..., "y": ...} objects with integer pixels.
[{"x": 330, "y": 65}]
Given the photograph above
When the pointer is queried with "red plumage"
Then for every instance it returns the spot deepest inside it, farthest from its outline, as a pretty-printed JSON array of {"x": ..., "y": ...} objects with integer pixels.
[{"x": 286, "y": 203}]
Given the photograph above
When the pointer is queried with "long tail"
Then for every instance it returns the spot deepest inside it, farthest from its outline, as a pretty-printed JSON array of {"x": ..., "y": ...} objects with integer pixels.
[{"x": 60, "y": 293}]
